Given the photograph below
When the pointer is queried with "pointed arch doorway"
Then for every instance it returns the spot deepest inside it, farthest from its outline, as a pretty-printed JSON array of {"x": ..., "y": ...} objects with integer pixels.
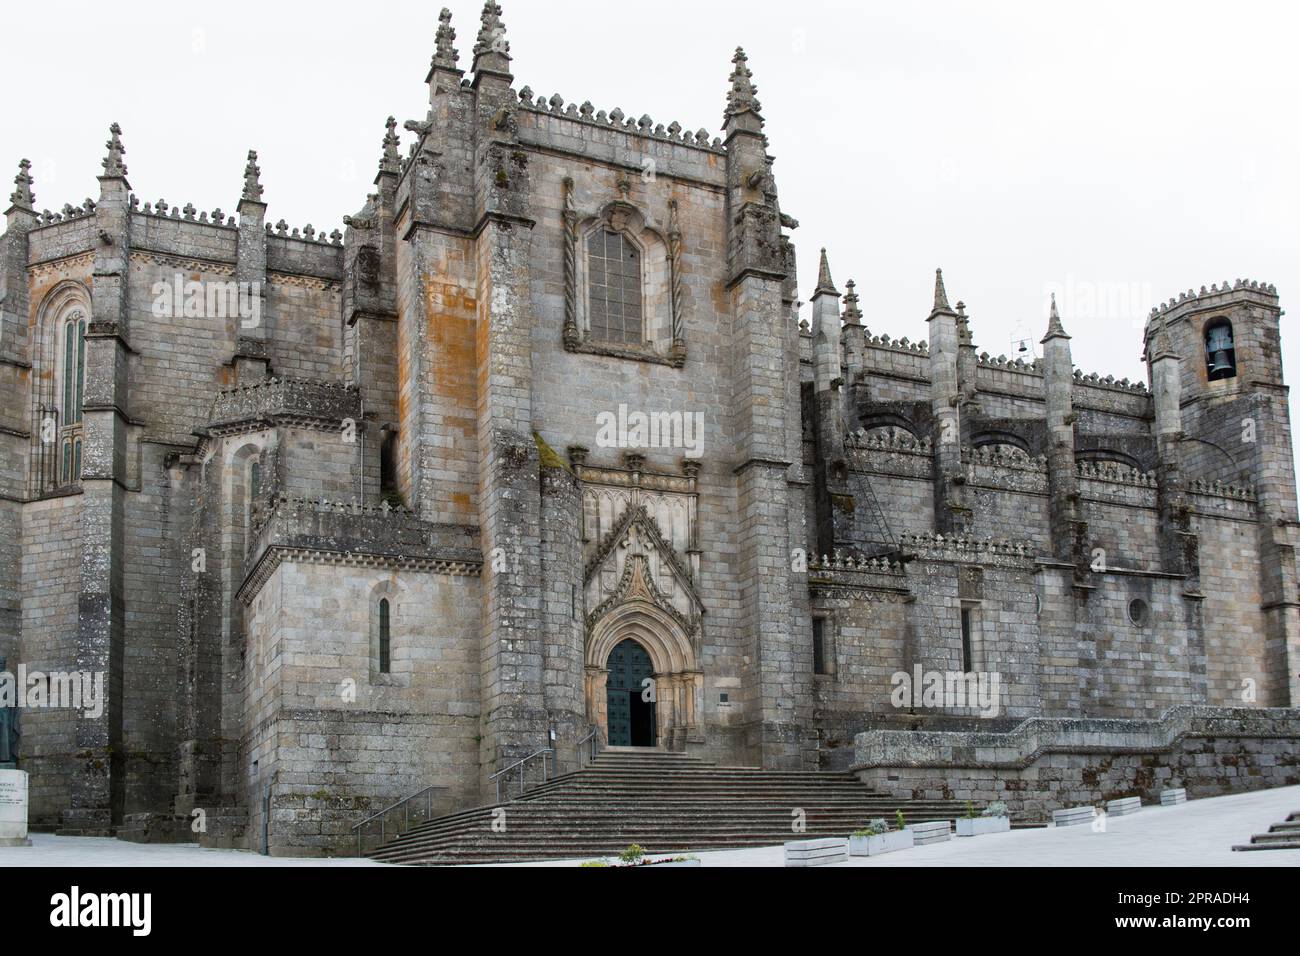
[{"x": 630, "y": 697}]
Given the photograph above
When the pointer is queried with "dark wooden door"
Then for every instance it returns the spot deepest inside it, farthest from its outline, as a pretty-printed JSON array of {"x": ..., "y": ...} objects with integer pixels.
[{"x": 631, "y": 717}]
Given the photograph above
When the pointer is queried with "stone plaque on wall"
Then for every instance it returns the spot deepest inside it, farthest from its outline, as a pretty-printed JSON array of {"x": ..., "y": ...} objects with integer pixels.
[{"x": 13, "y": 808}]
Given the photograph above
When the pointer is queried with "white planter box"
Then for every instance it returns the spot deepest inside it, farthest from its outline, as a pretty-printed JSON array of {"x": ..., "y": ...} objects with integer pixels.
[
  {"x": 1122, "y": 808},
  {"x": 1173, "y": 798},
  {"x": 1074, "y": 816},
  {"x": 816, "y": 852},
  {"x": 979, "y": 826},
  {"x": 940, "y": 831},
  {"x": 890, "y": 842}
]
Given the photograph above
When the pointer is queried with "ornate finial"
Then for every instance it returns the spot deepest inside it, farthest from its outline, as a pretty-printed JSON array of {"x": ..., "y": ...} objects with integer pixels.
[
  {"x": 252, "y": 179},
  {"x": 1160, "y": 347},
  {"x": 446, "y": 55},
  {"x": 23, "y": 197},
  {"x": 392, "y": 161},
  {"x": 852, "y": 314},
  {"x": 824, "y": 284},
  {"x": 940, "y": 294},
  {"x": 492, "y": 32},
  {"x": 1055, "y": 330},
  {"x": 113, "y": 166},
  {"x": 743, "y": 95}
]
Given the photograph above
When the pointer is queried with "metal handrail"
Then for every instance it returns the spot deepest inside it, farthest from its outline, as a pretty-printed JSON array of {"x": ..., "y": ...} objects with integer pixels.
[
  {"x": 405, "y": 807},
  {"x": 594, "y": 739},
  {"x": 523, "y": 776}
]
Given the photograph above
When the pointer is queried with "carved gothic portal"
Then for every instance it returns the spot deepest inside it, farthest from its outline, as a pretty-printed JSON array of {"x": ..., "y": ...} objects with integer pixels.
[
  {"x": 678, "y": 684},
  {"x": 642, "y": 590}
]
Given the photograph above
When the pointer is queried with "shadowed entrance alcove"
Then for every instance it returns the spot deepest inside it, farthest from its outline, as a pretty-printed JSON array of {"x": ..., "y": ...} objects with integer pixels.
[{"x": 635, "y": 634}]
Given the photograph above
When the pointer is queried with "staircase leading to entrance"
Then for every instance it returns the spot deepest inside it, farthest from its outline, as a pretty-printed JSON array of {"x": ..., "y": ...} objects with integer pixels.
[{"x": 663, "y": 802}]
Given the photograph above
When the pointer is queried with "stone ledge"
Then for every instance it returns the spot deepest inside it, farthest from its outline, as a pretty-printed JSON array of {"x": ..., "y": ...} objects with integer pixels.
[{"x": 1040, "y": 736}]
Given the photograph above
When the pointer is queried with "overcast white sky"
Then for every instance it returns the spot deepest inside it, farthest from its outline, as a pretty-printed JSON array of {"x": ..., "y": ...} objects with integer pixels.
[{"x": 1125, "y": 151}]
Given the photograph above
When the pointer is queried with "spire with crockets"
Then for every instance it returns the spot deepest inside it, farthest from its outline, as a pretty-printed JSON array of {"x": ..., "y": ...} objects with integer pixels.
[
  {"x": 446, "y": 56},
  {"x": 114, "y": 167},
  {"x": 23, "y": 197},
  {"x": 252, "y": 179},
  {"x": 743, "y": 95}
]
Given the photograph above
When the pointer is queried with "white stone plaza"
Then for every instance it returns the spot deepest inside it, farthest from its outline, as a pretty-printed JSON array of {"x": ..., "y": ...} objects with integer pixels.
[{"x": 1197, "y": 834}]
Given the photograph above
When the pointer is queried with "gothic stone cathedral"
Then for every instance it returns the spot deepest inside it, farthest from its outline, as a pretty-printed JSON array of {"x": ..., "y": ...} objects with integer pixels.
[{"x": 360, "y": 536}]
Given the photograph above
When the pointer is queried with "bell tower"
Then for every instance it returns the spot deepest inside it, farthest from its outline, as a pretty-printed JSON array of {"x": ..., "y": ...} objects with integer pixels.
[{"x": 1231, "y": 423}]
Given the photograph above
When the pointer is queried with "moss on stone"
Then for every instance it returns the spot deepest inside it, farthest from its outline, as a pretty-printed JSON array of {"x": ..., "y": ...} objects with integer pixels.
[{"x": 550, "y": 458}]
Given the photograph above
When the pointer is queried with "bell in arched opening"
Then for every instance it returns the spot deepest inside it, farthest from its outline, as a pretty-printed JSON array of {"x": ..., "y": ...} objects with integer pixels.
[{"x": 1220, "y": 351}]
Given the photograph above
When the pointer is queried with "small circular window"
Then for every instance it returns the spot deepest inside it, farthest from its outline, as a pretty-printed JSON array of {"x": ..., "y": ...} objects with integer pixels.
[{"x": 1139, "y": 613}]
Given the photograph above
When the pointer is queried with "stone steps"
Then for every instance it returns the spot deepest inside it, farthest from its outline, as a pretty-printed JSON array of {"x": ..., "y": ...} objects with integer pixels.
[
  {"x": 666, "y": 803},
  {"x": 1281, "y": 836}
]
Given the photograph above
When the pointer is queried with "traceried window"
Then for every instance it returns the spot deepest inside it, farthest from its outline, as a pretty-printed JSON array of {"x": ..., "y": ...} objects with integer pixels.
[
  {"x": 74, "y": 386},
  {"x": 614, "y": 289}
]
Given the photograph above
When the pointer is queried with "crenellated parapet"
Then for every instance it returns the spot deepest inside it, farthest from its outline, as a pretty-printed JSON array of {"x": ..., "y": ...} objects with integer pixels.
[
  {"x": 1213, "y": 297},
  {"x": 278, "y": 400},
  {"x": 1006, "y": 468},
  {"x": 354, "y": 535},
  {"x": 967, "y": 550},
  {"x": 616, "y": 119},
  {"x": 890, "y": 451},
  {"x": 1093, "y": 380},
  {"x": 1117, "y": 473},
  {"x": 1002, "y": 362},
  {"x": 1116, "y": 483},
  {"x": 859, "y": 574}
]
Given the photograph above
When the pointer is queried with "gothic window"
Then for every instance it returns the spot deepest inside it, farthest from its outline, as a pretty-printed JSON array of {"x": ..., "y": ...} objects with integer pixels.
[
  {"x": 819, "y": 646},
  {"x": 73, "y": 376},
  {"x": 255, "y": 481},
  {"x": 967, "y": 640},
  {"x": 385, "y": 637},
  {"x": 388, "y": 468},
  {"x": 1220, "y": 351},
  {"x": 614, "y": 288}
]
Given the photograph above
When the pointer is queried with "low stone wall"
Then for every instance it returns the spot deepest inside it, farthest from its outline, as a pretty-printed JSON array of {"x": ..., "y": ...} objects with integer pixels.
[{"x": 1046, "y": 764}]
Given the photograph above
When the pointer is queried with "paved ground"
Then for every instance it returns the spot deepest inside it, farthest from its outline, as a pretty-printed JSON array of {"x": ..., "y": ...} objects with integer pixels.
[
  {"x": 47, "y": 850},
  {"x": 1201, "y": 833}
]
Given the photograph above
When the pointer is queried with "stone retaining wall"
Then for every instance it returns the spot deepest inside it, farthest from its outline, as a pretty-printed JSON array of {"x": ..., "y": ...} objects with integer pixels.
[{"x": 1047, "y": 764}]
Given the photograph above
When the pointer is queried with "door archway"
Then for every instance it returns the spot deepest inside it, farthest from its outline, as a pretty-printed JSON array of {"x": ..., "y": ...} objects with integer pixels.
[
  {"x": 630, "y": 697},
  {"x": 678, "y": 686}
]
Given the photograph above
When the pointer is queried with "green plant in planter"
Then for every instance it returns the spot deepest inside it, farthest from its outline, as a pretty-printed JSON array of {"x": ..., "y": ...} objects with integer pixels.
[
  {"x": 595, "y": 865},
  {"x": 633, "y": 854},
  {"x": 900, "y": 820},
  {"x": 874, "y": 828},
  {"x": 998, "y": 809},
  {"x": 970, "y": 810}
]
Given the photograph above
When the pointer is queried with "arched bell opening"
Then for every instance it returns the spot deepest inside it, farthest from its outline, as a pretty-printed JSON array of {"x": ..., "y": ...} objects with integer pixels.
[{"x": 1220, "y": 351}]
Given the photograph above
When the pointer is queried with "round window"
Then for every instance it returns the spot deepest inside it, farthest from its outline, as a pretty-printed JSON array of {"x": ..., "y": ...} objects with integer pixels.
[{"x": 1139, "y": 613}]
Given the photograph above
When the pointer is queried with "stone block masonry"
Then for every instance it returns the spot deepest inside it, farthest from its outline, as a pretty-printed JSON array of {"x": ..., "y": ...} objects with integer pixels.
[
  {"x": 375, "y": 541},
  {"x": 1047, "y": 765}
]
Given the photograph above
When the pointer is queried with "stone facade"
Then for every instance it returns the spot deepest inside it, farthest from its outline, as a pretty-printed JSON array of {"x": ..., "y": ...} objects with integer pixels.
[{"x": 359, "y": 528}]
